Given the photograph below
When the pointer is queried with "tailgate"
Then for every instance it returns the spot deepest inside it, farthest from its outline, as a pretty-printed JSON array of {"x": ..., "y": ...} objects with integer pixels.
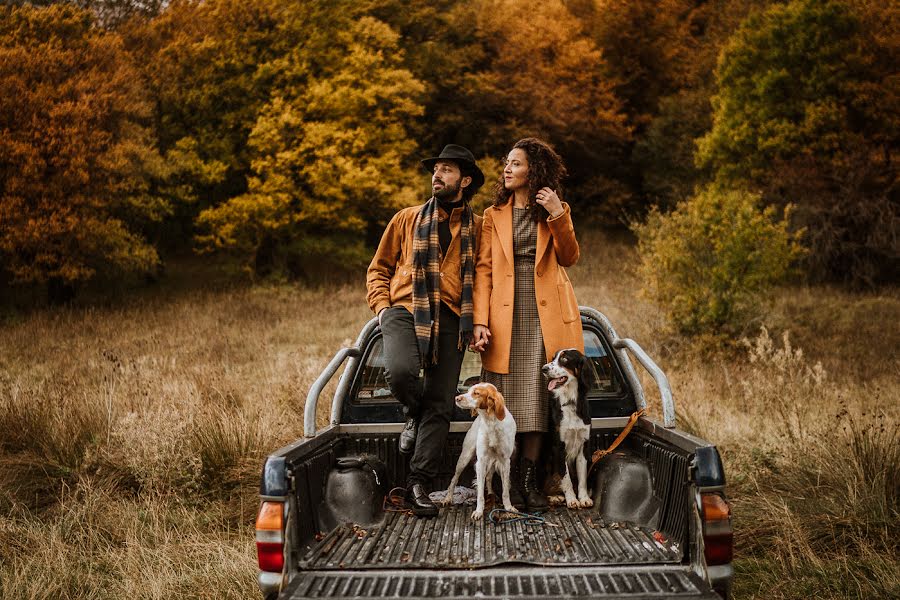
[{"x": 521, "y": 581}]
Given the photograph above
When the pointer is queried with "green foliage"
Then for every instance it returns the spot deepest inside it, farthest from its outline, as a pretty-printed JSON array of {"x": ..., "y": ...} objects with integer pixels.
[
  {"x": 443, "y": 47},
  {"x": 648, "y": 47},
  {"x": 665, "y": 152},
  {"x": 332, "y": 154},
  {"x": 206, "y": 68},
  {"x": 808, "y": 111},
  {"x": 707, "y": 263},
  {"x": 786, "y": 84},
  {"x": 287, "y": 131},
  {"x": 76, "y": 155}
]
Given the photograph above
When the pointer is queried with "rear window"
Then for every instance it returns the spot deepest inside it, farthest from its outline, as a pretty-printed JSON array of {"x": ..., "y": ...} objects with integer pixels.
[
  {"x": 607, "y": 380},
  {"x": 374, "y": 389}
]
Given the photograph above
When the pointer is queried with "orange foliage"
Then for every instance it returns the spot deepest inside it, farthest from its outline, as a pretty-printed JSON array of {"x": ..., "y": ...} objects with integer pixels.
[
  {"x": 549, "y": 79},
  {"x": 75, "y": 153},
  {"x": 648, "y": 46},
  {"x": 545, "y": 75}
]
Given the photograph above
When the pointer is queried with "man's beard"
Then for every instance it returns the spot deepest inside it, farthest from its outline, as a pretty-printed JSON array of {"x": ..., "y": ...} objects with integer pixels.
[{"x": 448, "y": 192}]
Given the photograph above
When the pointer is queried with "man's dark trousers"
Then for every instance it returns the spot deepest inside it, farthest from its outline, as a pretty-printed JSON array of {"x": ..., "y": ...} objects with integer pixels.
[{"x": 431, "y": 401}]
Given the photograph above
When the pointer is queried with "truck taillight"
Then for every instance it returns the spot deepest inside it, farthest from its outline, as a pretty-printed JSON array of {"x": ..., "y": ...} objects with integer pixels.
[
  {"x": 270, "y": 536},
  {"x": 718, "y": 536}
]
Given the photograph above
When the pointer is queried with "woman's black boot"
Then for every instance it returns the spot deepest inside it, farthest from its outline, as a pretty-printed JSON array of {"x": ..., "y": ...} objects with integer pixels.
[
  {"x": 535, "y": 500},
  {"x": 515, "y": 486}
]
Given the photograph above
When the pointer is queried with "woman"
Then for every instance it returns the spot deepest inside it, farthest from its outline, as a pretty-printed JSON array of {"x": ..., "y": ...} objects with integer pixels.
[{"x": 524, "y": 306}]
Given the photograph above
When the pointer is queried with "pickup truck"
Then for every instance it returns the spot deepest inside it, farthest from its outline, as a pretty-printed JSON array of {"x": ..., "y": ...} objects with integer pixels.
[{"x": 660, "y": 526}]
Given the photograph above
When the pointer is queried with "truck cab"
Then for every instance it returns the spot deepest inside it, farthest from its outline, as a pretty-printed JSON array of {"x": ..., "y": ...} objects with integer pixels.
[{"x": 660, "y": 526}]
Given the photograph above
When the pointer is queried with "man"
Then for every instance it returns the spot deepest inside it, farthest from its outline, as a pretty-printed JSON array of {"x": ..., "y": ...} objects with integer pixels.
[{"x": 420, "y": 286}]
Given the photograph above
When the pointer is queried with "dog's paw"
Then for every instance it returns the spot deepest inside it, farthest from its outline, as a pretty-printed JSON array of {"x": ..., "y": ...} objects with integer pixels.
[
  {"x": 509, "y": 508},
  {"x": 476, "y": 516},
  {"x": 572, "y": 502},
  {"x": 586, "y": 503},
  {"x": 556, "y": 500}
]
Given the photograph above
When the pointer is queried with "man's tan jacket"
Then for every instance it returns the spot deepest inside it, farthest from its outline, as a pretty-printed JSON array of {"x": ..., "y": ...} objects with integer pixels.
[{"x": 390, "y": 274}]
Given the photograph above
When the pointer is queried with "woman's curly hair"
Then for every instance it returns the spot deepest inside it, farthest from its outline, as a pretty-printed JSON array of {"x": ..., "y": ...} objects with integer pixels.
[{"x": 545, "y": 169}]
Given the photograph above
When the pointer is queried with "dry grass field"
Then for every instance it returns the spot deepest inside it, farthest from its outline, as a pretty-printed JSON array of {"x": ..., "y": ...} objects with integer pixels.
[{"x": 131, "y": 435}]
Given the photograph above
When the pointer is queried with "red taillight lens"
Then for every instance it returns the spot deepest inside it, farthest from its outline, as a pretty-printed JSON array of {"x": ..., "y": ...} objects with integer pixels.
[
  {"x": 270, "y": 536},
  {"x": 271, "y": 556},
  {"x": 718, "y": 536}
]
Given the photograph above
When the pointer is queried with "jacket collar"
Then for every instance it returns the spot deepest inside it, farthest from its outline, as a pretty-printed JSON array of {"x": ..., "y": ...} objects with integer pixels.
[{"x": 503, "y": 222}]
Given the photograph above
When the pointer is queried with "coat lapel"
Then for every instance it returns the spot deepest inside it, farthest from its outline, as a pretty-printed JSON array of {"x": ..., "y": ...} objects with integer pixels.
[
  {"x": 503, "y": 225},
  {"x": 543, "y": 240}
]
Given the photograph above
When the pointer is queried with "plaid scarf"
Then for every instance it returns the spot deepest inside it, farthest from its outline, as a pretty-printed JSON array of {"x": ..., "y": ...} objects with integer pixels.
[{"x": 426, "y": 292}]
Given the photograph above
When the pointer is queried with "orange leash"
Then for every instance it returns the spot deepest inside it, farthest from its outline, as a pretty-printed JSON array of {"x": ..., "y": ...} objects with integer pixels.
[{"x": 597, "y": 455}]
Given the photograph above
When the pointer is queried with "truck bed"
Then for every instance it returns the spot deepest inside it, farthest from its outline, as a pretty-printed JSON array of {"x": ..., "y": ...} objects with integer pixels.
[
  {"x": 641, "y": 541},
  {"x": 453, "y": 540}
]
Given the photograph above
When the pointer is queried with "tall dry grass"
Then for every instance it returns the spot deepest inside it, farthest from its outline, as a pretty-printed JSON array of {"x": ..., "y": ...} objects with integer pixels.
[{"x": 131, "y": 436}]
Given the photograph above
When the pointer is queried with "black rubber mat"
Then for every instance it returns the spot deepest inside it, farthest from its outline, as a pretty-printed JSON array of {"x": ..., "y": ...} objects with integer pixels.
[{"x": 453, "y": 540}]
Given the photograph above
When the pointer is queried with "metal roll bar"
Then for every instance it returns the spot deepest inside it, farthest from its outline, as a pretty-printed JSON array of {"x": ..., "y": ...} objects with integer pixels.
[
  {"x": 662, "y": 382},
  {"x": 619, "y": 346},
  {"x": 346, "y": 380},
  {"x": 312, "y": 398}
]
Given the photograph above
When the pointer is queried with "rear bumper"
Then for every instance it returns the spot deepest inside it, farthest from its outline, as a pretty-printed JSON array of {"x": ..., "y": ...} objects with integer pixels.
[
  {"x": 269, "y": 583},
  {"x": 720, "y": 578},
  {"x": 522, "y": 582}
]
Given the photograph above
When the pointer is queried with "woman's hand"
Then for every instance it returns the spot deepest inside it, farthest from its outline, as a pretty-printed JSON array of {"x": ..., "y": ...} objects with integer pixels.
[
  {"x": 481, "y": 337},
  {"x": 549, "y": 200}
]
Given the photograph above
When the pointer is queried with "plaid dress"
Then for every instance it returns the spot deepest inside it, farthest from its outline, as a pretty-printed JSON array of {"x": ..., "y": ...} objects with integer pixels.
[{"x": 524, "y": 388}]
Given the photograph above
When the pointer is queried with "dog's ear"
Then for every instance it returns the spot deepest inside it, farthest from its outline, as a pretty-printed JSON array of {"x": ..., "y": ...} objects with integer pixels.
[
  {"x": 481, "y": 398},
  {"x": 498, "y": 404},
  {"x": 585, "y": 379},
  {"x": 555, "y": 411}
]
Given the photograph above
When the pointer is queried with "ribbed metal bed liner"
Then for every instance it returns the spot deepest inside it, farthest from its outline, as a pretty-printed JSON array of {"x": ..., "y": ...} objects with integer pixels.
[
  {"x": 631, "y": 583},
  {"x": 453, "y": 540}
]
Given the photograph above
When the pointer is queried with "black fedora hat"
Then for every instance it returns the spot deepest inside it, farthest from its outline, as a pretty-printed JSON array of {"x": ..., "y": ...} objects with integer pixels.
[{"x": 465, "y": 160}]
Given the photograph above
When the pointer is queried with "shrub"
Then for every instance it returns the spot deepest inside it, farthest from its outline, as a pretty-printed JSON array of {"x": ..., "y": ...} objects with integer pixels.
[{"x": 707, "y": 263}]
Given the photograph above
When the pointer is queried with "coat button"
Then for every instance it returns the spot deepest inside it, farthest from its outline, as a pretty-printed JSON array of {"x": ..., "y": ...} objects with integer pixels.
[
  {"x": 543, "y": 303},
  {"x": 540, "y": 273},
  {"x": 442, "y": 274}
]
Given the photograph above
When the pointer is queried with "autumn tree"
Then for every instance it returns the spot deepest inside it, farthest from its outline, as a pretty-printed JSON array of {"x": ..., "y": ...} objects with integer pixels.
[
  {"x": 332, "y": 156},
  {"x": 441, "y": 46},
  {"x": 76, "y": 155},
  {"x": 807, "y": 111},
  {"x": 648, "y": 47},
  {"x": 207, "y": 69},
  {"x": 672, "y": 55},
  {"x": 546, "y": 78}
]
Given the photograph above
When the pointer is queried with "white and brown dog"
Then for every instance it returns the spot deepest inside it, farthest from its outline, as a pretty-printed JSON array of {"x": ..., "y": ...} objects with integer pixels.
[
  {"x": 491, "y": 440},
  {"x": 569, "y": 375}
]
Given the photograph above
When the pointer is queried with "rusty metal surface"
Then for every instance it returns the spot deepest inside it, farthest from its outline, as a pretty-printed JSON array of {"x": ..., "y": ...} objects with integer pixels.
[{"x": 453, "y": 540}]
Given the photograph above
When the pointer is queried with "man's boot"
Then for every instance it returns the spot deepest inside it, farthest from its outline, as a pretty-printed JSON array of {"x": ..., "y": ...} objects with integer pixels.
[
  {"x": 418, "y": 499},
  {"x": 535, "y": 500},
  {"x": 408, "y": 436}
]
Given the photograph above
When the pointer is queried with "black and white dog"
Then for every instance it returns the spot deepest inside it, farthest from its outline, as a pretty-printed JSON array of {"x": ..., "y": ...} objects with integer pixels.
[{"x": 569, "y": 375}]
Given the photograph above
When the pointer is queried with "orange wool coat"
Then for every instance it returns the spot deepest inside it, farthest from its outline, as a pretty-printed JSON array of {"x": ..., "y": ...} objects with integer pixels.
[{"x": 495, "y": 285}]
